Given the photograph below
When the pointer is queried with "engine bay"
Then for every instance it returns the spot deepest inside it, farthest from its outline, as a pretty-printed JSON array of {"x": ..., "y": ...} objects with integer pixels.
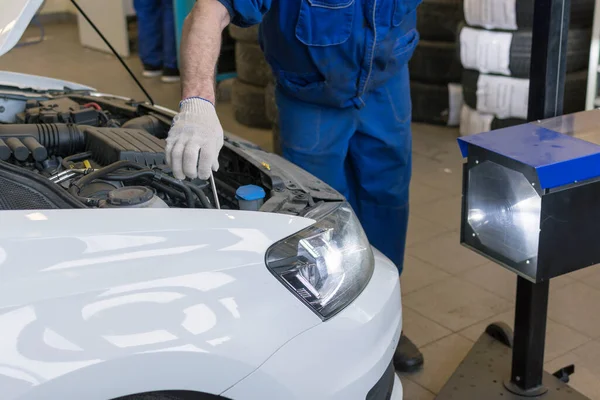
[{"x": 107, "y": 152}]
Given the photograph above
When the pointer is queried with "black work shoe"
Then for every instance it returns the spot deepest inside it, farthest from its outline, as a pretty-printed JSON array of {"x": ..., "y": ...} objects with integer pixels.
[
  {"x": 170, "y": 75},
  {"x": 407, "y": 357},
  {"x": 151, "y": 71}
]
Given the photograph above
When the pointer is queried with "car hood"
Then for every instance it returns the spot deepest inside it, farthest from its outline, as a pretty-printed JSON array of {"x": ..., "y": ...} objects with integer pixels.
[
  {"x": 14, "y": 19},
  {"x": 128, "y": 294},
  {"x": 59, "y": 253}
]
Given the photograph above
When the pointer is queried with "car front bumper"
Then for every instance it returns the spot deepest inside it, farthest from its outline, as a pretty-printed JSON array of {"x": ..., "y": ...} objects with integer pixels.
[{"x": 345, "y": 357}]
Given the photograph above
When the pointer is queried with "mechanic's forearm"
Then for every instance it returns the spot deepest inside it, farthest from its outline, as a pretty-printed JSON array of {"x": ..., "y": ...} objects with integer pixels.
[{"x": 200, "y": 48}]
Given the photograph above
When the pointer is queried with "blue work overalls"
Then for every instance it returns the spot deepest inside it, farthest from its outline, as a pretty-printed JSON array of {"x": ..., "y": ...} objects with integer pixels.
[
  {"x": 156, "y": 33},
  {"x": 344, "y": 99}
]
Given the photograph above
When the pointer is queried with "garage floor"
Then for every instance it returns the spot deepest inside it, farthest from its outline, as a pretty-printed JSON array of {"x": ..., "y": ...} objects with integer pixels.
[{"x": 449, "y": 293}]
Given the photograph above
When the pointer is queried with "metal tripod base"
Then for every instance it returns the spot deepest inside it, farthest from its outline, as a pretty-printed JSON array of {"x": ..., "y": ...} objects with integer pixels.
[{"x": 482, "y": 373}]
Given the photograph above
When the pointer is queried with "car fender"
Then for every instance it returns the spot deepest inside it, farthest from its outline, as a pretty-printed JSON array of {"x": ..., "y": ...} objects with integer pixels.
[{"x": 99, "y": 304}]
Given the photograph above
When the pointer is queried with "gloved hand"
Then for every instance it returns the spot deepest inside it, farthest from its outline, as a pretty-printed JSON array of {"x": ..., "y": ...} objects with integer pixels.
[{"x": 195, "y": 140}]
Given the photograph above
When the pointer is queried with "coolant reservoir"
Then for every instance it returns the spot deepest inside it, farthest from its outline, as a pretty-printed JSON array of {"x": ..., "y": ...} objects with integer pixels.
[
  {"x": 134, "y": 197},
  {"x": 250, "y": 197}
]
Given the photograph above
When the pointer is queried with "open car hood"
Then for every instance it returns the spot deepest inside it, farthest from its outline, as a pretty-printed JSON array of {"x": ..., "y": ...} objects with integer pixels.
[{"x": 14, "y": 19}]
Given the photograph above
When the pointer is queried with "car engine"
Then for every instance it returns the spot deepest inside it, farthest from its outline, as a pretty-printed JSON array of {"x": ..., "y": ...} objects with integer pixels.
[
  {"x": 88, "y": 151},
  {"x": 101, "y": 158}
]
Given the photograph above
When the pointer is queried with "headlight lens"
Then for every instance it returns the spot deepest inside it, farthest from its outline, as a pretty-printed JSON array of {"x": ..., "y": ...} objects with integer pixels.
[{"x": 328, "y": 264}]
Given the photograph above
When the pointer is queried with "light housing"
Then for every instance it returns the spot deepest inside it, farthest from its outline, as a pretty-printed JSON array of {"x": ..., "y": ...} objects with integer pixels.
[
  {"x": 503, "y": 211},
  {"x": 531, "y": 197},
  {"x": 328, "y": 264}
]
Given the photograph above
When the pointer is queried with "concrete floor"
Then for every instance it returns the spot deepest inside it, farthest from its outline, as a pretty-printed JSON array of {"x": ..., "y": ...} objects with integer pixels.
[{"x": 449, "y": 293}]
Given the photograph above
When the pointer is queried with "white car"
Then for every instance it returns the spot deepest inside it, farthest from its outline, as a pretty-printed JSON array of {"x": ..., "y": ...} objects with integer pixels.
[{"x": 117, "y": 280}]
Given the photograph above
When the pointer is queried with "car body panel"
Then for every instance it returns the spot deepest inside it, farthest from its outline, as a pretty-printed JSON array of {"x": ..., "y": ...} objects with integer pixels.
[
  {"x": 101, "y": 304},
  {"x": 38, "y": 83},
  {"x": 14, "y": 19},
  {"x": 341, "y": 358}
]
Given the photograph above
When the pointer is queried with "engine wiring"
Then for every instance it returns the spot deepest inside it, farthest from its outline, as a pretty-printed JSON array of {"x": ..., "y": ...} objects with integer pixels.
[{"x": 131, "y": 171}]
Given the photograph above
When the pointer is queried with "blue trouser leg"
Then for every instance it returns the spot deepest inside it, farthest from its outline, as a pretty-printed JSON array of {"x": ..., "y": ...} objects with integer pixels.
[
  {"x": 150, "y": 37},
  {"x": 381, "y": 153},
  {"x": 317, "y": 138},
  {"x": 364, "y": 154},
  {"x": 169, "y": 39}
]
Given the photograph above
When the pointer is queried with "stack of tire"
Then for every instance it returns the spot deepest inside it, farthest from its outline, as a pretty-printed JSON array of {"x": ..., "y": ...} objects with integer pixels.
[
  {"x": 435, "y": 69},
  {"x": 249, "y": 90},
  {"x": 227, "y": 57},
  {"x": 495, "y": 50}
]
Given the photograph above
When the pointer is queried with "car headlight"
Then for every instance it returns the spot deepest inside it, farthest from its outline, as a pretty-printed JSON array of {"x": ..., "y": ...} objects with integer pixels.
[{"x": 328, "y": 264}]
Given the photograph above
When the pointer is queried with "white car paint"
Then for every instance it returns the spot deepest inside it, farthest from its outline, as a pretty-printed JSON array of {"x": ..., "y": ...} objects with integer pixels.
[
  {"x": 98, "y": 305},
  {"x": 38, "y": 83},
  {"x": 14, "y": 19}
]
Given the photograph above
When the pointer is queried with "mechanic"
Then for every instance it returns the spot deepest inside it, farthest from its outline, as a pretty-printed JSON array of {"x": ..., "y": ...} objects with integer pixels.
[
  {"x": 343, "y": 98},
  {"x": 157, "y": 46}
]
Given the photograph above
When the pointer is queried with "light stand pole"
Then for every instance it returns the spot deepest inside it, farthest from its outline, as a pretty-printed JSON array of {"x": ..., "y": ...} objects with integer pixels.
[{"x": 546, "y": 88}]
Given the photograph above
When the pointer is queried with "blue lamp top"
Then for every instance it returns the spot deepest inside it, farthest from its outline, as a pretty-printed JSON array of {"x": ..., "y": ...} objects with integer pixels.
[{"x": 559, "y": 159}]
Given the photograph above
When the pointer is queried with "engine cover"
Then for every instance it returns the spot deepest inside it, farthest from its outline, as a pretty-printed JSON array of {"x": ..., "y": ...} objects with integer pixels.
[{"x": 109, "y": 145}]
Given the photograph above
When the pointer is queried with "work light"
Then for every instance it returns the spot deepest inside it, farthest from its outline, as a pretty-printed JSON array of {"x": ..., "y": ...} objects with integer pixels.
[{"x": 531, "y": 200}]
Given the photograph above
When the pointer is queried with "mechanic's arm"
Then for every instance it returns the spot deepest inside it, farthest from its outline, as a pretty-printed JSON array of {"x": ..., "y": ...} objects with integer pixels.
[
  {"x": 196, "y": 136},
  {"x": 200, "y": 48}
]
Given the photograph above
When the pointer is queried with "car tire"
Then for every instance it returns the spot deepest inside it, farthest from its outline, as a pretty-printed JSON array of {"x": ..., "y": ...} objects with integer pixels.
[
  {"x": 473, "y": 122},
  {"x": 573, "y": 99},
  {"x": 435, "y": 62},
  {"x": 582, "y": 13},
  {"x": 224, "y": 91},
  {"x": 152, "y": 396},
  {"x": 519, "y": 56},
  {"x": 251, "y": 64},
  {"x": 499, "y": 123},
  {"x": 176, "y": 395},
  {"x": 438, "y": 19},
  {"x": 246, "y": 35},
  {"x": 226, "y": 61},
  {"x": 248, "y": 103},
  {"x": 436, "y": 104},
  {"x": 270, "y": 103}
]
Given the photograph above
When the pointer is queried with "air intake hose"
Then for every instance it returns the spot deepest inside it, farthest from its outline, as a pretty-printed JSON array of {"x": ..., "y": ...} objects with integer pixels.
[{"x": 57, "y": 139}]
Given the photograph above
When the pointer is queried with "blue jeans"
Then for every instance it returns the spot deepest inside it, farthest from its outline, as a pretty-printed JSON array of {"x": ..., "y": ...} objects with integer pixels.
[
  {"x": 156, "y": 32},
  {"x": 365, "y": 154}
]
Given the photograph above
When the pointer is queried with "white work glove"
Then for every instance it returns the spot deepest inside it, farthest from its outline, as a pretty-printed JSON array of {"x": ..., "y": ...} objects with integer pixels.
[{"x": 195, "y": 140}]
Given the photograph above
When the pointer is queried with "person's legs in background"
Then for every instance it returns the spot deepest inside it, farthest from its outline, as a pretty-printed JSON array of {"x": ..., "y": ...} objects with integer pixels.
[
  {"x": 150, "y": 40},
  {"x": 169, "y": 43},
  {"x": 381, "y": 154}
]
